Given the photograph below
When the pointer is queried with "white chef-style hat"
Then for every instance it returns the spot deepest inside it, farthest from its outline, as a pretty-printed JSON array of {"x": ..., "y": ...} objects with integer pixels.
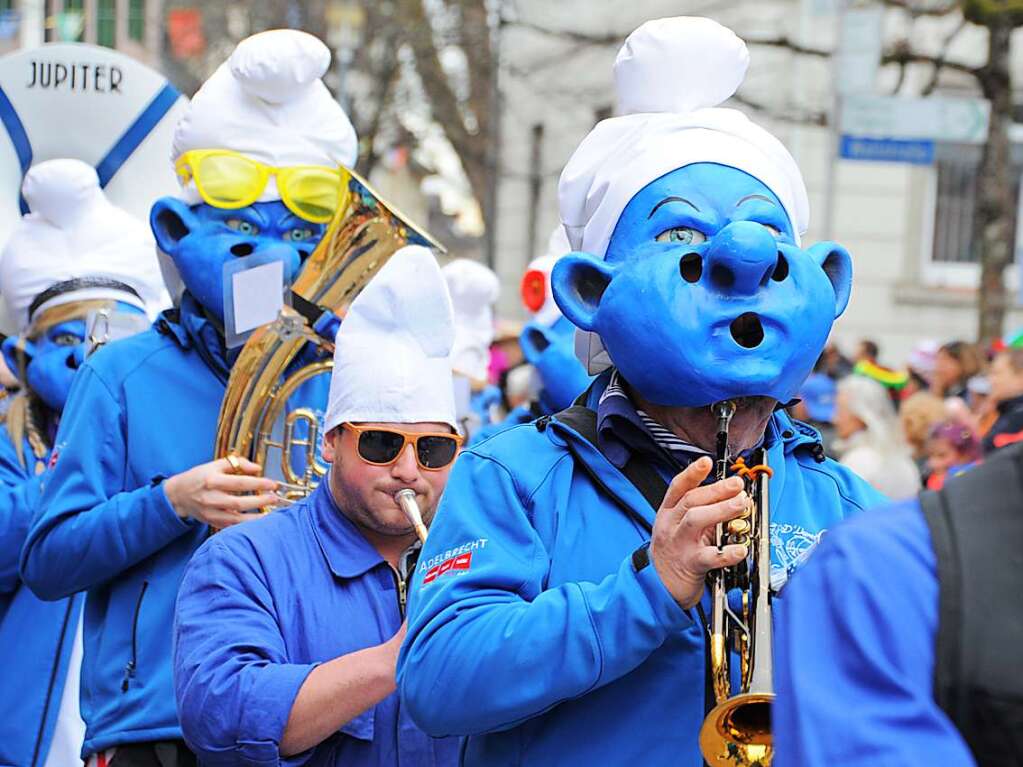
[
  {"x": 474, "y": 289},
  {"x": 540, "y": 269},
  {"x": 74, "y": 233},
  {"x": 391, "y": 356},
  {"x": 267, "y": 101},
  {"x": 670, "y": 77}
]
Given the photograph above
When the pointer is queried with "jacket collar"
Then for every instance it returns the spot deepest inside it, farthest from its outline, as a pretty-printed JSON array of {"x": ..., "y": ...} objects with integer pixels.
[
  {"x": 1010, "y": 404},
  {"x": 346, "y": 550},
  {"x": 191, "y": 328}
]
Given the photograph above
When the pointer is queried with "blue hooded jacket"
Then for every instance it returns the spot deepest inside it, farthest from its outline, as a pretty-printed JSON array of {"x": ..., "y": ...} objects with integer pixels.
[
  {"x": 37, "y": 636},
  {"x": 140, "y": 410},
  {"x": 529, "y": 629}
]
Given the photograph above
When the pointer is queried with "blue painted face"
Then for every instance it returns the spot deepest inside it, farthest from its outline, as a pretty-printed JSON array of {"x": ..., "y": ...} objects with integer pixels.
[
  {"x": 201, "y": 239},
  {"x": 52, "y": 360},
  {"x": 703, "y": 295},
  {"x": 551, "y": 351}
]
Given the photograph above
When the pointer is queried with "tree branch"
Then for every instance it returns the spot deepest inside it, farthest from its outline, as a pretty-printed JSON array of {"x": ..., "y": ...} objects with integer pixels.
[
  {"x": 902, "y": 53},
  {"x": 611, "y": 38},
  {"x": 783, "y": 41},
  {"x": 939, "y": 65},
  {"x": 914, "y": 9},
  {"x": 789, "y": 115}
]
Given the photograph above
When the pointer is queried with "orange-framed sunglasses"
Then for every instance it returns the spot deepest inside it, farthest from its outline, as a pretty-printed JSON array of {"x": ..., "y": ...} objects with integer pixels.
[{"x": 382, "y": 446}]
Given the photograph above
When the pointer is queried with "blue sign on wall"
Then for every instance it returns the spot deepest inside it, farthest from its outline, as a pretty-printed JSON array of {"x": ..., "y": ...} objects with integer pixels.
[{"x": 914, "y": 151}]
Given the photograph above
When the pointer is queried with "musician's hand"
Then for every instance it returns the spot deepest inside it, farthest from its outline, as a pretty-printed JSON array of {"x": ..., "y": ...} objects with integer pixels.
[
  {"x": 682, "y": 547},
  {"x": 209, "y": 492},
  {"x": 393, "y": 644}
]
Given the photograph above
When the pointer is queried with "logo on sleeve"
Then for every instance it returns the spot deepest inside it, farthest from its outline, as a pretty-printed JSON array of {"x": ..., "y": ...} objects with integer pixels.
[{"x": 454, "y": 561}]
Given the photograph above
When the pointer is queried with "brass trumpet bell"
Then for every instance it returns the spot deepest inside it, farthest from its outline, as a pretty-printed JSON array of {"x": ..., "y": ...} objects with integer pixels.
[{"x": 738, "y": 732}]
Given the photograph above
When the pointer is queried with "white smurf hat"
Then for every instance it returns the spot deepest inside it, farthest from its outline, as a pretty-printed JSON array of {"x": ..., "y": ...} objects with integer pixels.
[
  {"x": 391, "y": 358},
  {"x": 268, "y": 102},
  {"x": 671, "y": 76},
  {"x": 474, "y": 289},
  {"x": 75, "y": 236}
]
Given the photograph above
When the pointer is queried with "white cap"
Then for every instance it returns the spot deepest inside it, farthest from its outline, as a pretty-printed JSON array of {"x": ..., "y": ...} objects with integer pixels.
[
  {"x": 540, "y": 268},
  {"x": 267, "y": 102},
  {"x": 670, "y": 76},
  {"x": 74, "y": 231},
  {"x": 474, "y": 289},
  {"x": 391, "y": 359}
]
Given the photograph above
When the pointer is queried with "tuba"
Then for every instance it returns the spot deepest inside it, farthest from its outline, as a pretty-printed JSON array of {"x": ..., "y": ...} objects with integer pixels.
[
  {"x": 737, "y": 731},
  {"x": 288, "y": 356}
]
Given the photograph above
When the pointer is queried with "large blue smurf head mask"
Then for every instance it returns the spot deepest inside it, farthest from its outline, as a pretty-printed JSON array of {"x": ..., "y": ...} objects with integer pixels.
[
  {"x": 201, "y": 239},
  {"x": 686, "y": 220},
  {"x": 703, "y": 294},
  {"x": 550, "y": 349}
]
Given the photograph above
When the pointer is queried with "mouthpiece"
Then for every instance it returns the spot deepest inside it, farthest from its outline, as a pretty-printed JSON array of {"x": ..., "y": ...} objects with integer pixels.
[{"x": 406, "y": 500}]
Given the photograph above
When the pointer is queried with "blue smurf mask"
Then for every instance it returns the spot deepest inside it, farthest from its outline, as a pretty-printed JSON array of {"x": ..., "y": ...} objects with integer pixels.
[
  {"x": 703, "y": 294},
  {"x": 201, "y": 239},
  {"x": 49, "y": 361},
  {"x": 550, "y": 349}
]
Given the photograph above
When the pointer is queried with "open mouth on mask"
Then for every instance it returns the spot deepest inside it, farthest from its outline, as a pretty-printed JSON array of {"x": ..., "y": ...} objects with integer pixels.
[{"x": 747, "y": 330}]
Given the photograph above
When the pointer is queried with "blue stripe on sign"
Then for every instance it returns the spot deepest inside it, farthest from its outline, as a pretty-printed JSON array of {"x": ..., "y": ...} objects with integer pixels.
[
  {"x": 22, "y": 146},
  {"x": 136, "y": 133}
]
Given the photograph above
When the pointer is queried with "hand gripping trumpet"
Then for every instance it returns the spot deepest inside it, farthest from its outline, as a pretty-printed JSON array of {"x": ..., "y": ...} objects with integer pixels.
[
  {"x": 737, "y": 731},
  {"x": 406, "y": 500}
]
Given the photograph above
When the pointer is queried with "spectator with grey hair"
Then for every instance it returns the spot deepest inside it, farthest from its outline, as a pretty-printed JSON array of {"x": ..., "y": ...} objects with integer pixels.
[{"x": 1006, "y": 381}]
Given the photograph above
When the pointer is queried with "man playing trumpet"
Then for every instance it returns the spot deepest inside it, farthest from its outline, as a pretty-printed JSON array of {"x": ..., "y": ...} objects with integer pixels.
[
  {"x": 298, "y": 653},
  {"x": 576, "y": 636}
]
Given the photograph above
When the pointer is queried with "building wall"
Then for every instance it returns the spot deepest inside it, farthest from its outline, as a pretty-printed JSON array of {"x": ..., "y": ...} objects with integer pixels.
[{"x": 882, "y": 212}]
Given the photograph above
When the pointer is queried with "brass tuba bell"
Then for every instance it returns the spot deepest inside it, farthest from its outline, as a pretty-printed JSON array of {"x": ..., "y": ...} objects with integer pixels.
[{"x": 255, "y": 421}]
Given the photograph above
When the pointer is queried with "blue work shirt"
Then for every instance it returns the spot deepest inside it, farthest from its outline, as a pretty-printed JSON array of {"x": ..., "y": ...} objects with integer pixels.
[
  {"x": 261, "y": 605},
  {"x": 854, "y": 651},
  {"x": 36, "y": 636}
]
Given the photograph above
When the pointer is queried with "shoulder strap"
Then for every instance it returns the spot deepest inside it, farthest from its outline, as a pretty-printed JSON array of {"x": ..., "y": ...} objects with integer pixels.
[{"x": 642, "y": 475}]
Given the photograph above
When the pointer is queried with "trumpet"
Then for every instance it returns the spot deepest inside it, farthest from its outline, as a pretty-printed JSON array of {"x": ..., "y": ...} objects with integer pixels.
[
  {"x": 737, "y": 731},
  {"x": 406, "y": 500}
]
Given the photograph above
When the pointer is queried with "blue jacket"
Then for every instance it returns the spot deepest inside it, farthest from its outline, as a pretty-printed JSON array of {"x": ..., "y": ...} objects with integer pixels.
[
  {"x": 36, "y": 636},
  {"x": 854, "y": 672},
  {"x": 293, "y": 590},
  {"x": 140, "y": 409},
  {"x": 530, "y": 631}
]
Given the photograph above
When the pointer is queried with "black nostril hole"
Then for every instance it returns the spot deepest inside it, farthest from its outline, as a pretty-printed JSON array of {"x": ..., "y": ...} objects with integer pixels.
[
  {"x": 72, "y": 362},
  {"x": 722, "y": 276},
  {"x": 242, "y": 249},
  {"x": 781, "y": 269},
  {"x": 538, "y": 340},
  {"x": 691, "y": 267},
  {"x": 304, "y": 254}
]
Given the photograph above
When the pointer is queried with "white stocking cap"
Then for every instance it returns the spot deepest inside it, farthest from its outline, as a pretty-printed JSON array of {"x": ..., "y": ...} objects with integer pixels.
[
  {"x": 74, "y": 231},
  {"x": 474, "y": 289},
  {"x": 267, "y": 102},
  {"x": 670, "y": 76},
  {"x": 391, "y": 359}
]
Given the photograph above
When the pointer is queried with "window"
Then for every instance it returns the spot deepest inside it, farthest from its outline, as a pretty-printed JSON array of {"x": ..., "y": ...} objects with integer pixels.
[
  {"x": 137, "y": 20},
  {"x": 71, "y": 22},
  {"x": 106, "y": 22},
  {"x": 956, "y": 170}
]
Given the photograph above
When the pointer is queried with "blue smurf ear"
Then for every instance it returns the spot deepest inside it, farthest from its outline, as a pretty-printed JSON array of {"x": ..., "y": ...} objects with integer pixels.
[
  {"x": 171, "y": 221},
  {"x": 837, "y": 264},
  {"x": 578, "y": 282},
  {"x": 13, "y": 355}
]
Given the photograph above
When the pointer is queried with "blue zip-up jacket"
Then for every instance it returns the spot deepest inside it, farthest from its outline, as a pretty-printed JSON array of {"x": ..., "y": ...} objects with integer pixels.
[
  {"x": 296, "y": 589},
  {"x": 529, "y": 629},
  {"x": 140, "y": 409},
  {"x": 36, "y": 636}
]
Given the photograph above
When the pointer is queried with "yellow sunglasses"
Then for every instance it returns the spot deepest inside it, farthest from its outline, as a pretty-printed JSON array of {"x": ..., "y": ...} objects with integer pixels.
[{"x": 230, "y": 180}]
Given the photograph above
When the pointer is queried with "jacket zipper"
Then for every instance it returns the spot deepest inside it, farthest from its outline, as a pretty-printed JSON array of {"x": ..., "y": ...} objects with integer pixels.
[
  {"x": 129, "y": 670},
  {"x": 402, "y": 587},
  {"x": 53, "y": 681}
]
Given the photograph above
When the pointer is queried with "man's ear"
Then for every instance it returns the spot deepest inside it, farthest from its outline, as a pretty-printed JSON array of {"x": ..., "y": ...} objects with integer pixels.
[
  {"x": 578, "y": 282},
  {"x": 171, "y": 221},
  {"x": 837, "y": 264},
  {"x": 329, "y": 450},
  {"x": 13, "y": 355}
]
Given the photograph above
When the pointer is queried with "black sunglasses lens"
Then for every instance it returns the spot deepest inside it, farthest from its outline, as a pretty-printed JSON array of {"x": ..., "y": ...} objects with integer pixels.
[
  {"x": 378, "y": 446},
  {"x": 437, "y": 452}
]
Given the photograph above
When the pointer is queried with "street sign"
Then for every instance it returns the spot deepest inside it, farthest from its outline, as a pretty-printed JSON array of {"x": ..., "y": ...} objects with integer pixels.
[
  {"x": 859, "y": 49},
  {"x": 913, "y": 151},
  {"x": 937, "y": 118}
]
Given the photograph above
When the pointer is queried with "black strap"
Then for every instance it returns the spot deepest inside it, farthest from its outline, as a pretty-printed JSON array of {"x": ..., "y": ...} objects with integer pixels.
[
  {"x": 641, "y": 474},
  {"x": 79, "y": 283}
]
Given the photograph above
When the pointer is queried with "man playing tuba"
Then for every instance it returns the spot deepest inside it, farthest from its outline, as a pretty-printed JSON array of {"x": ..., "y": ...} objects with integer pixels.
[
  {"x": 134, "y": 490},
  {"x": 576, "y": 637}
]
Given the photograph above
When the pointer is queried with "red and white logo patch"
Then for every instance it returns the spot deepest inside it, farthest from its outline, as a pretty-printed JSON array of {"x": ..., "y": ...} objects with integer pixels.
[{"x": 461, "y": 562}]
